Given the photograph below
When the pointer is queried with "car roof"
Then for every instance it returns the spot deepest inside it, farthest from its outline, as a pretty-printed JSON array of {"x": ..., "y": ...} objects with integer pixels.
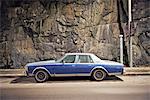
[{"x": 78, "y": 54}]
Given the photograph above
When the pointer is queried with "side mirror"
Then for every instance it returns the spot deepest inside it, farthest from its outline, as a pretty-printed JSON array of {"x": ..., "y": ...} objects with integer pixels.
[{"x": 63, "y": 61}]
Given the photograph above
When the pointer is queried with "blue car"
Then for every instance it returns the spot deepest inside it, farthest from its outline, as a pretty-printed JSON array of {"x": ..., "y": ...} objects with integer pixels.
[{"x": 74, "y": 64}]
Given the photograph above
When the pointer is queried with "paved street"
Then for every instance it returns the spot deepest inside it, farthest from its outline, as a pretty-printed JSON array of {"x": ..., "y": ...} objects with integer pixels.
[{"x": 112, "y": 88}]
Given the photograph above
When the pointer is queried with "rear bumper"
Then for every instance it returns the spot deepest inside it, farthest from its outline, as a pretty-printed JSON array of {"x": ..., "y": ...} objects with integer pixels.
[{"x": 118, "y": 73}]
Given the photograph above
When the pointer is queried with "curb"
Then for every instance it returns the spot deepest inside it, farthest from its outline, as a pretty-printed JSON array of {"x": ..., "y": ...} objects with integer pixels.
[
  {"x": 12, "y": 72},
  {"x": 136, "y": 73},
  {"x": 12, "y": 75},
  {"x": 127, "y": 71}
]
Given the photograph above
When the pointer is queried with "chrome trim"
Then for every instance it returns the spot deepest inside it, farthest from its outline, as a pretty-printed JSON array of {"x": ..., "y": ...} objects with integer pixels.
[
  {"x": 84, "y": 63},
  {"x": 83, "y": 74},
  {"x": 69, "y": 75}
]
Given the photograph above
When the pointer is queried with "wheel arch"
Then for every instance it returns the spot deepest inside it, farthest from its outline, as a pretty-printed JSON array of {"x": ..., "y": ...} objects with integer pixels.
[
  {"x": 99, "y": 67},
  {"x": 40, "y": 68}
]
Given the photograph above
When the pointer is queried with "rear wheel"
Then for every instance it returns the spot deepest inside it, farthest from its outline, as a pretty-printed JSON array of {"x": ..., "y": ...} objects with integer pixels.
[
  {"x": 98, "y": 75},
  {"x": 41, "y": 76}
]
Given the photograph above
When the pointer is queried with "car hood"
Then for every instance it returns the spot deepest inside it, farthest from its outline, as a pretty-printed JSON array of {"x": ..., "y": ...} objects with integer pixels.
[
  {"x": 41, "y": 63},
  {"x": 110, "y": 62}
]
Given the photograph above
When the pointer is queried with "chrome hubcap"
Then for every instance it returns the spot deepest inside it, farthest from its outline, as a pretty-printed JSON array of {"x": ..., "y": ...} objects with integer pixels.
[
  {"x": 41, "y": 76},
  {"x": 99, "y": 74}
]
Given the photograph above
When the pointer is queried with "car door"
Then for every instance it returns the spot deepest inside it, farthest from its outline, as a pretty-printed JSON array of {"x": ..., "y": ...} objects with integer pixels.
[
  {"x": 67, "y": 66},
  {"x": 84, "y": 65}
]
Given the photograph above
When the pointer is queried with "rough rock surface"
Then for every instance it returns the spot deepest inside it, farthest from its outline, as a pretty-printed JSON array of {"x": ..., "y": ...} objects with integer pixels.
[
  {"x": 141, "y": 32},
  {"x": 33, "y": 30}
]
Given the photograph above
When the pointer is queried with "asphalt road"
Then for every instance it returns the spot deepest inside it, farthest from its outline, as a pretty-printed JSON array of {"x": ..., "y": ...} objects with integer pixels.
[{"x": 112, "y": 88}]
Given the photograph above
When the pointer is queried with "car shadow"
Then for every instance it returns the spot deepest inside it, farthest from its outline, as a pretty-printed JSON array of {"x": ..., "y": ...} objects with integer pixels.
[{"x": 24, "y": 79}]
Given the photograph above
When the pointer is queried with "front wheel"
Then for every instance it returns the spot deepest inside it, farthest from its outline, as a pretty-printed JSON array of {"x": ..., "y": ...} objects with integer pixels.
[
  {"x": 41, "y": 76},
  {"x": 98, "y": 74}
]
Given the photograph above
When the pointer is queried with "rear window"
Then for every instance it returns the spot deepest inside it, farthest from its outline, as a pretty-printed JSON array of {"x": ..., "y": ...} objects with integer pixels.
[{"x": 85, "y": 59}]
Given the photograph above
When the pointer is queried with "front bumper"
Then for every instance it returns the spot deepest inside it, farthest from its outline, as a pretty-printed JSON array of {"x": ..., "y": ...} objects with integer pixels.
[
  {"x": 28, "y": 74},
  {"x": 122, "y": 72}
]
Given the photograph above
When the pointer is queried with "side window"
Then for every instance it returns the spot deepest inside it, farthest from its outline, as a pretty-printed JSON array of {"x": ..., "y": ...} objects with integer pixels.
[
  {"x": 69, "y": 59},
  {"x": 85, "y": 59}
]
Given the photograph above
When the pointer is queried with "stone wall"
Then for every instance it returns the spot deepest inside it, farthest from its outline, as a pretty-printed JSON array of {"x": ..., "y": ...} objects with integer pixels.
[
  {"x": 141, "y": 31},
  {"x": 33, "y": 30}
]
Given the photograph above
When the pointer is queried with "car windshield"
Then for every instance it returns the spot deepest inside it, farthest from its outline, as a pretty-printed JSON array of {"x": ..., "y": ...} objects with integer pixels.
[
  {"x": 67, "y": 59},
  {"x": 59, "y": 60}
]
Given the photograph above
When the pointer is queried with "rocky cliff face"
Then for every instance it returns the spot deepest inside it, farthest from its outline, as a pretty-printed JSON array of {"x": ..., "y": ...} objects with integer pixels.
[
  {"x": 141, "y": 31},
  {"x": 33, "y": 30}
]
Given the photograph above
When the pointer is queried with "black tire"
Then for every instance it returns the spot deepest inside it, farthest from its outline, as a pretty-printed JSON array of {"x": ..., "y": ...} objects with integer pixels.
[
  {"x": 41, "y": 76},
  {"x": 98, "y": 74}
]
